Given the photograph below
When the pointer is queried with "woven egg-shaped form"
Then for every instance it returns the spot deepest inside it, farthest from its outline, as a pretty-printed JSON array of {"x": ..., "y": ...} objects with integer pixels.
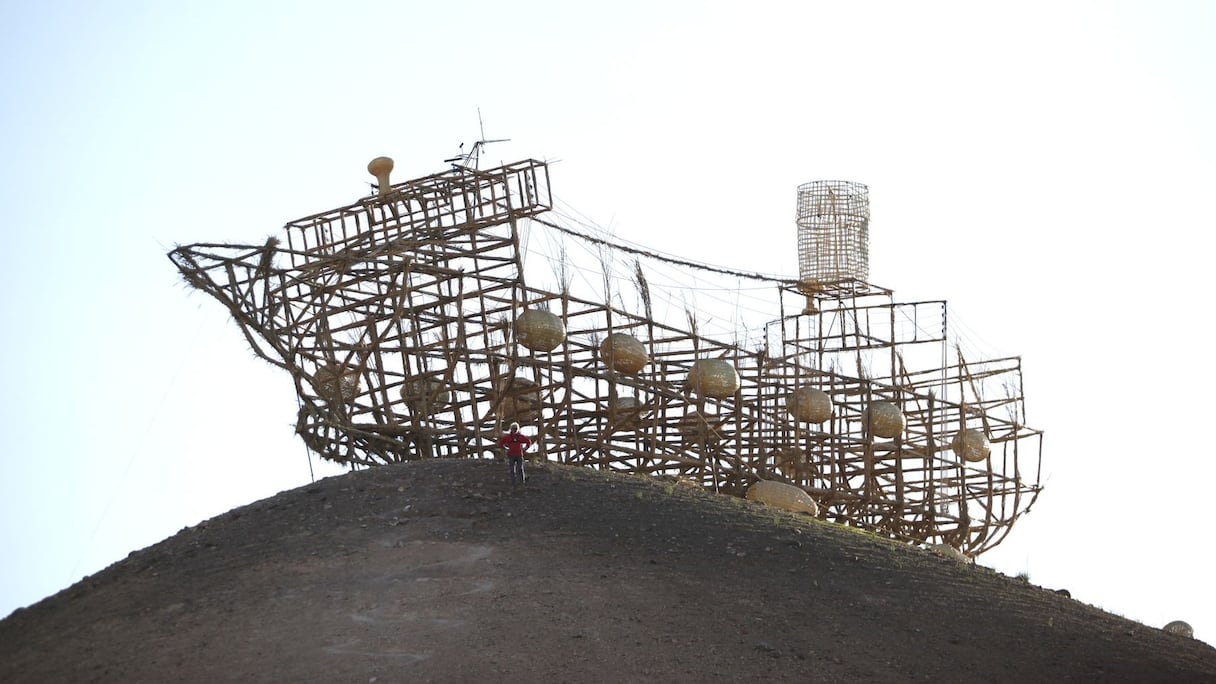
[
  {"x": 518, "y": 399},
  {"x": 697, "y": 427},
  {"x": 809, "y": 405},
  {"x": 625, "y": 411},
  {"x": 428, "y": 392},
  {"x": 539, "y": 330},
  {"x": 971, "y": 445},
  {"x": 624, "y": 353},
  {"x": 715, "y": 378},
  {"x": 792, "y": 462},
  {"x": 783, "y": 495},
  {"x": 885, "y": 419},
  {"x": 1180, "y": 628},
  {"x": 336, "y": 383}
]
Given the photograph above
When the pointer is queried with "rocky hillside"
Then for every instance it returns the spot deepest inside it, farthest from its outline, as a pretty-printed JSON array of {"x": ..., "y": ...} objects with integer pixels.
[{"x": 440, "y": 571}]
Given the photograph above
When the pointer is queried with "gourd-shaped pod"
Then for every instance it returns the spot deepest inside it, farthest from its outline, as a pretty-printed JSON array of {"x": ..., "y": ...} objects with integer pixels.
[
  {"x": 624, "y": 353},
  {"x": 884, "y": 419},
  {"x": 517, "y": 399},
  {"x": 425, "y": 392},
  {"x": 715, "y": 378},
  {"x": 809, "y": 405},
  {"x": 971, "y": 445},
  {"x": 336, "y": 383},
  {"x": 539, "y": 330}
]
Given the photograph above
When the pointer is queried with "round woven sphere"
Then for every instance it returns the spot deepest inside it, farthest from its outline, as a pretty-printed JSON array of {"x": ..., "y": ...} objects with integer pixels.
[
  {"x": 809, "y": 405},
  {"x": 1180, "y": 628},
  {"x": 715, "y": 378},
  {"x": 539, "y": 330},
  {"x": 626, "y": 411},
  {"x": 885, "y": 419},
  {"x": 426, "y": 392},
  {"x": 335, "y": 382},
  {"x": 624, "y": 353},
  {"x": 520, "y": 399},
  {"x": 971, "y": 445},
  {"x": 792, "y": 462}
]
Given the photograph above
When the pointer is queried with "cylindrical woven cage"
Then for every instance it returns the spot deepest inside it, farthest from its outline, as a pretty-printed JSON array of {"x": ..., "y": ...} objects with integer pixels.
[
  {"x": 539, "y": 330},
  {"x": 809, "y": 405},
  {"x": 624, "y": 353},
  {"x": 833, "y": 233}
]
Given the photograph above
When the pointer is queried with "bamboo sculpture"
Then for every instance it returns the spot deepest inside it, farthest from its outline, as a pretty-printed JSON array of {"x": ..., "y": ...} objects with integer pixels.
[{"x": 408, "y": 327}]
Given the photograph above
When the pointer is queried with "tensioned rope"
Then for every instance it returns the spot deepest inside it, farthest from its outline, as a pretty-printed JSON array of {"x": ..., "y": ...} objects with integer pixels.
[
  {"x": 736, "y": 298},
  {"x": 668, "y": 259}
]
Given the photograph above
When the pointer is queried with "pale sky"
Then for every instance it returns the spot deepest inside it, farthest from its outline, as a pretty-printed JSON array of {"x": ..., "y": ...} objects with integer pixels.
[{"x": 1047, "y": 168}]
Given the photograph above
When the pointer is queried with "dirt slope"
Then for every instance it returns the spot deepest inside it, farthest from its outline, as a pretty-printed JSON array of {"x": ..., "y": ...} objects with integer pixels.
[{"x": 438, "y": 571}]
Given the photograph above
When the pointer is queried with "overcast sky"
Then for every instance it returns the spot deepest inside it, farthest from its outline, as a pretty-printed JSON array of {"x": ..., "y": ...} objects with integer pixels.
[{"x": 1046, "y": 167}]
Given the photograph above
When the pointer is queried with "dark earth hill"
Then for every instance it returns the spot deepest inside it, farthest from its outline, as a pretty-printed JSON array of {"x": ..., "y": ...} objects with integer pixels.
[{"x": 439, "y": 571}]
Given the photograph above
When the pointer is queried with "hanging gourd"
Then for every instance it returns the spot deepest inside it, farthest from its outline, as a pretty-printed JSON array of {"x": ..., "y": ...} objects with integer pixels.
[
  {"x": 792, "y": 462},
  {"x": 714, "y": 378},
  {"x": 518, "y": 399},
  {"x": 625, "y": 412},
  {"x": 624, "y": 353},
  {"x": 336, "y": 383},
  {"x": 971, "y": 445},
  {"x": 425, "y": 393},
  {"x": 809, "y": 405},
  {"x": 539, "y": 330},
  {"x": 884, "y": 419}
]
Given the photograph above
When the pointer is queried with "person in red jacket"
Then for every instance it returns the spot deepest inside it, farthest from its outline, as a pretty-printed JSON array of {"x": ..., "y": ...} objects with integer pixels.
[{"x": 515, "y": 443}]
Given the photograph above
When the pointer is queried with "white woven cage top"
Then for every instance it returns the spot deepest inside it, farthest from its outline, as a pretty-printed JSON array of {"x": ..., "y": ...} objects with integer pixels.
[{"x": 833, "y": 232}]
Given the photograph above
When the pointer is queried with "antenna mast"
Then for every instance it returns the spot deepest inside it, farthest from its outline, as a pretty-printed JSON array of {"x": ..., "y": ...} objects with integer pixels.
[{"x": 472, "y": 158}]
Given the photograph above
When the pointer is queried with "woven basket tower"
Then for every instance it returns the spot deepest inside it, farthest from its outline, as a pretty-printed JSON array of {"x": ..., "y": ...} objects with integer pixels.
[{"x": 833, "y": 234}]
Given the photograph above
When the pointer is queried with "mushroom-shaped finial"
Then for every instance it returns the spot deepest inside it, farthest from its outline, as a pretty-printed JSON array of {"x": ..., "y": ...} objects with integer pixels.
[{"x": 380, "y": 167}]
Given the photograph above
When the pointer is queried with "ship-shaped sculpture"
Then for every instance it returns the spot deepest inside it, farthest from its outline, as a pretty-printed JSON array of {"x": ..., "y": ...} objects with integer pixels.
[{"x": 410, "y": 331}]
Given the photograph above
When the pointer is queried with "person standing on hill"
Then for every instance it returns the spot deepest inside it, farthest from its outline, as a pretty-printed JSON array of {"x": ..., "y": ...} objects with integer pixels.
[{"x": 515, "y": 443}]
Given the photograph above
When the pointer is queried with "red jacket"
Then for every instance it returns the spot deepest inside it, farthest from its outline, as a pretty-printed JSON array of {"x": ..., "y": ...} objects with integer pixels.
[{"x": 516, "y": 443}]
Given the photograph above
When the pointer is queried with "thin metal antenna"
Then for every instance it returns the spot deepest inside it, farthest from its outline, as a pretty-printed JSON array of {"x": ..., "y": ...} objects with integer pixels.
[{"x": 472, "y": 158}]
